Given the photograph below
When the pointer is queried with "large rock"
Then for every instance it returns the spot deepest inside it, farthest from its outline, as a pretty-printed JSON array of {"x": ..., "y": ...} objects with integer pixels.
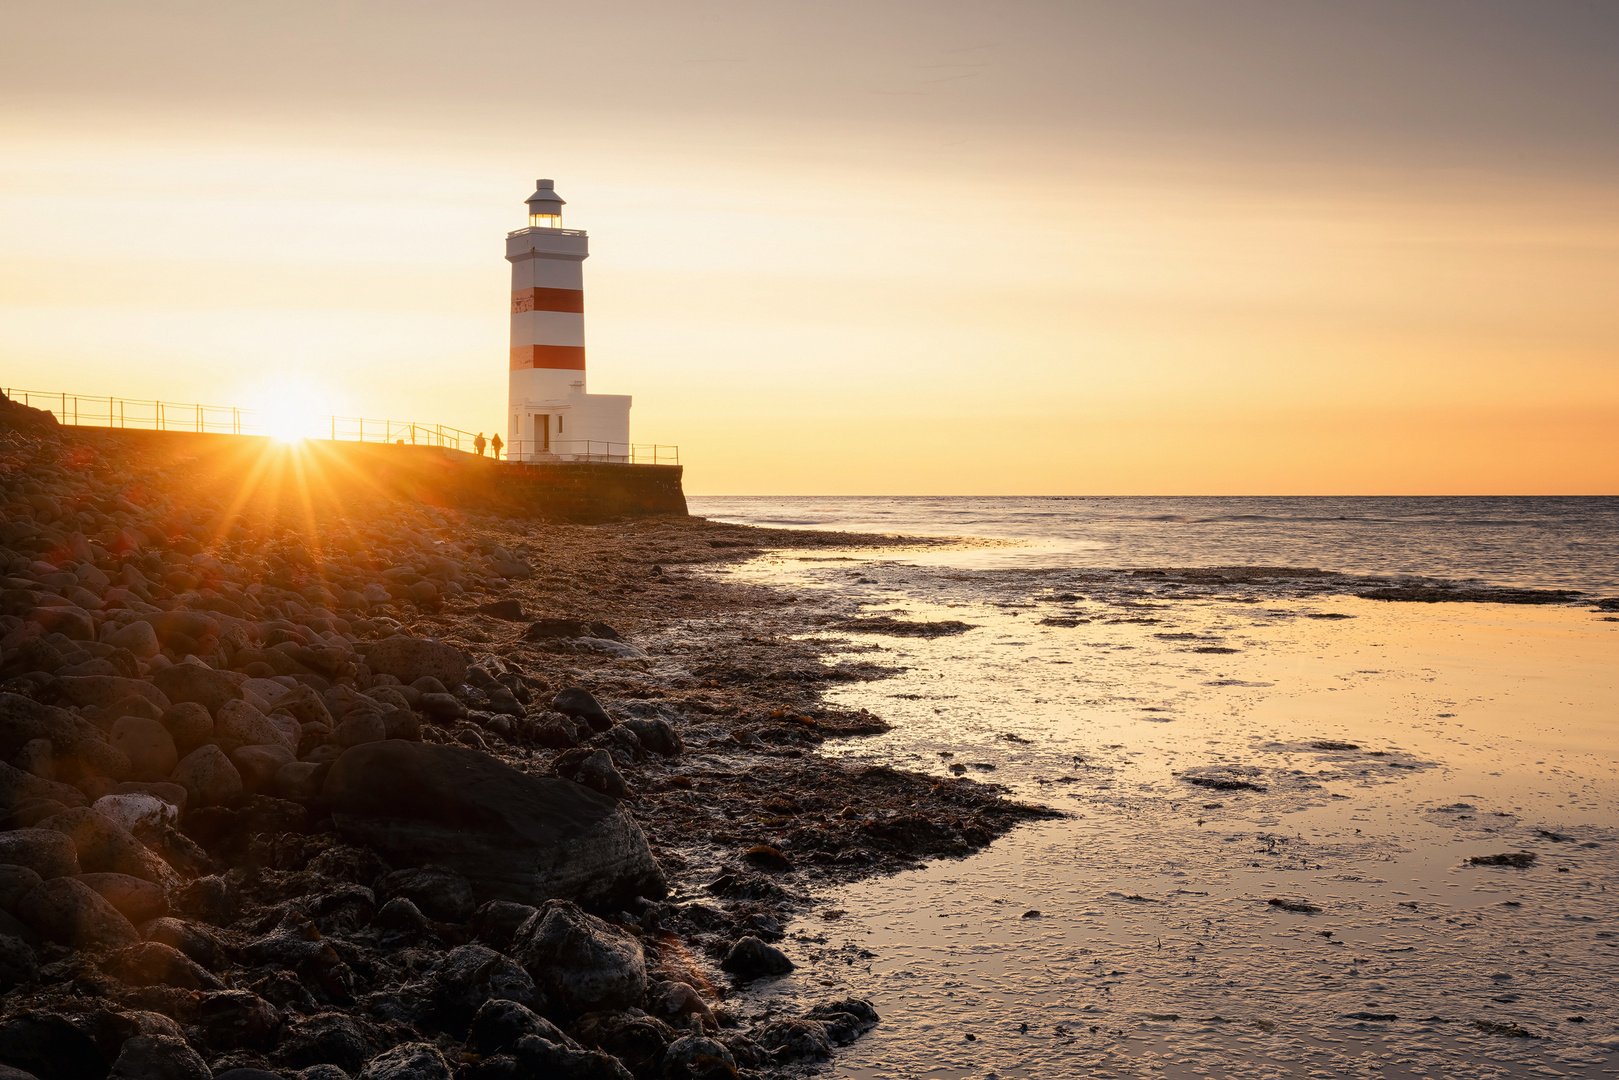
[
  {"x": 106, "y": 690},
  {"x": 148, "y": 746},
  {"x": 579, "y": 962},
  {"x": 236, "y": 723},
  {"x": 104, "y": 846},
  {"x": 439, "y": 892},
  {"x": 46, "y": 852},
  {"x": 22, "y": 720},
  {"x": 17, "y": 786},
  {"x": 258, "y": 765},
  {"x": 499, "y": 1023},
  {"x": 67, "y": 911},
  {"x": 208, "y": 777},
  {"x": 136, "y": 900},
  {"x": 514, "y": 836},
  {"x": 471, "y": 975},
  {"x": 304, "y": 705},
  {"x": 153, "y": 963},
  {"x": 408, "y": 1061},
  {"x": 16, "y": 882},
  {"x": 158, "y": 1057},
  {"x": 49, "y": 1047},
  {"x": 409, "y": 659},
  {"x": 189, "y": 724},
  {"x": 193, "y": 682},
  {"x": 581, "y": 704},
  {"x": 751, "y": 958},
  {"x": 138, "y": 637}
]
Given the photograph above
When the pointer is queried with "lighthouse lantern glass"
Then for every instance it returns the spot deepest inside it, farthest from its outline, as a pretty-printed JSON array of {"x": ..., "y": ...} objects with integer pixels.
[{"x": 545, "y": 221}]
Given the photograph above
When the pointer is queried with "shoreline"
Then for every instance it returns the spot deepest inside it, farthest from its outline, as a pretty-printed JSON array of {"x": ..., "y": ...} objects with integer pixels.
[{"x": 751, "y": 823}]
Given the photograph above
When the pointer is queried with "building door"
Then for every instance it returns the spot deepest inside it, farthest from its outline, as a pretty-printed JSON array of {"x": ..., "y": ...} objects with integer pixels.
[{"x": 542, "y": 432}]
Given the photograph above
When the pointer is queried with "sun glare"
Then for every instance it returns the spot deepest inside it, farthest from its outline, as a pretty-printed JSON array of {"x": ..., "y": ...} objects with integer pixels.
[{"x": 288, "y": 418}]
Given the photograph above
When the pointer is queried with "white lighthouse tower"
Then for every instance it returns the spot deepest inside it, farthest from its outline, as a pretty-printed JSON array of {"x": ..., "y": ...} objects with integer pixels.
[{"x": 551, "y": 417}]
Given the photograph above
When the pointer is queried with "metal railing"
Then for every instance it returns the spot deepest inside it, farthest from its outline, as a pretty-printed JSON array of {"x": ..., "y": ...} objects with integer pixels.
[
  {"x": 82, "y": 410},
  {"x": 532, "y": 452}
]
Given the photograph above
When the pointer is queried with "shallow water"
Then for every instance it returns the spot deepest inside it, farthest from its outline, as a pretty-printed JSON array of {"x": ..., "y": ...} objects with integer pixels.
[
  {"x": 1477, "y": 729},
  {"x": 1566, "y": 542}
]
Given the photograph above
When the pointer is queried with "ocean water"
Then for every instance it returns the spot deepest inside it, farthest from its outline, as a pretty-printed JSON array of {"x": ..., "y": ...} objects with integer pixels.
[
  {"x": 1560, "y": 542},
  {"x": 1273, "y": 790}
]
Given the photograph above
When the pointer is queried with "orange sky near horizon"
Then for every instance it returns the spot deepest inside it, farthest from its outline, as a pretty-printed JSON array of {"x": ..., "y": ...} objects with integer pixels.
[{"x": 891, "y": 248}]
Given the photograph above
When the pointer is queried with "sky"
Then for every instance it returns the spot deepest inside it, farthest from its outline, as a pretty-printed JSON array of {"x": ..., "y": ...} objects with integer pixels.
[{"x": 948, "y": 247}]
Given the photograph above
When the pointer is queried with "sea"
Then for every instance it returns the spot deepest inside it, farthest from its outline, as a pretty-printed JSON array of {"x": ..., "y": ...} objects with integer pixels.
[{"x": 1304, "y": 833}]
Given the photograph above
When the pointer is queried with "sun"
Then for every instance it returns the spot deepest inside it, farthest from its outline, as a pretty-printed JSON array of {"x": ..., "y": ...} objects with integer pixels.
[{"x": 286, "y": 414}]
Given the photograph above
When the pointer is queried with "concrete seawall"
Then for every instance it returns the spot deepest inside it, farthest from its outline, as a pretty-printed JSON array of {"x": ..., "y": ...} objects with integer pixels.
[{"x": 561, "y": 491}]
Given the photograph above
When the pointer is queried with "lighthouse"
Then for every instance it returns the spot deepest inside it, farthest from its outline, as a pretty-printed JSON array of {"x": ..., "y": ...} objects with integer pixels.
[{"x": 550, "y": 415}]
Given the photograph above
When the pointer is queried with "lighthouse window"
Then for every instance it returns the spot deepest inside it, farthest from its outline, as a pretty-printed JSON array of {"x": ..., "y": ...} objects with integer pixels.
[
  {"x": 559, "y": 425},
  {"x": 545, "y": 221}
]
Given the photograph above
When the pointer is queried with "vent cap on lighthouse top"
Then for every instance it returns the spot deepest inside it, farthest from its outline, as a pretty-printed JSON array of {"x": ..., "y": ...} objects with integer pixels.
[{"x": 545, "y": 200}]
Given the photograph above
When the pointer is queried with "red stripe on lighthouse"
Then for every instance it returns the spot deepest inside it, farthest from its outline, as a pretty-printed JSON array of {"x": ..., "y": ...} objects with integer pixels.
[
  {"x": 571, "y": 300},
  {"x": 558, "y": 357}
]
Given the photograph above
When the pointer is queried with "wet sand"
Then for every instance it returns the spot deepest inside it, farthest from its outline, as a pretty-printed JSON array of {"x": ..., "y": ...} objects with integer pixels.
[{"x": 1274, "y": 791}]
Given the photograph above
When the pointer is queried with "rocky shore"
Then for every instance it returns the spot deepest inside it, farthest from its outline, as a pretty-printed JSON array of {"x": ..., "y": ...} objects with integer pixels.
[{"x": 300, "y": 779}]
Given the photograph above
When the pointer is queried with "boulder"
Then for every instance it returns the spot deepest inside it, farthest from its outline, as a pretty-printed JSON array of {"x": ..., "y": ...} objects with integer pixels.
[
  {"x": 360, "y": 726},
  {"x": 676, "y": 1003},
  {"x": 514, "y": 836},
  {"x": 300, "y": 781},
  {"x": 138, "y": 637},
  {"x": 258, "y": 766},
  {"x": 751, "y": 958},
  {"x": 236, "y": 723},
  {"x": 439, "y": 892},
  {"x": 304, "y": 705},
  {"x": 496, "y": 923},
  {"x": 408, "y": 1061},
  {"x": 49, "y": 1047},
  {"x": 15, "y": 882},
  {"x": 580, "y": 704},
  {"x": 328, "y": 1039},
  {"x": 158, "y": 1057},
  {"x": 103, "y": 690},
  {"x": 137, "y": 809},
  {"x": 136, "y": 899},
  {"x": 580, "y": 963},
  {"x": 208, "y": 777},
  {"x": 233, "y": 1020},
  {"x": 469, "y": 976},
  {"x": 193, "y": 682},
  {"x": 598, "y": 773},
  {"x": 171, "y": 793},
  {"x": 499, "y": 1024},
  {"x": 148, "y": 746},
  {"x": 67, "y": 911},
  {"x": 637, "y": 1040},
  {"x": 189, "y": 938},
  {"x": 541, "y": 1057},
  {"x": 409, "y": 659},
  {"x": 152, "y": 963},
  {"x": 96, "y": 758},
  {"x": 17, "y": 786},
  {"x": 189, "y": 724},
  {"x": 104, "y": 846},
  {"x": 696, "y": 1057},
  {"x": 657, "y": 735},
  {"x": 45, "y": 852},
  {"x": 19, "y": 964},
  {"x": 23, "y": 719},
  {"x": 37, "y": 757},
  {"x": 72, "y": 622}
]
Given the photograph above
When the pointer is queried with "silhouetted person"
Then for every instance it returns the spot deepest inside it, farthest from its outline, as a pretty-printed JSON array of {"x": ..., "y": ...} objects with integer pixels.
[
  {"x": 478, "y": 444},
  {"x": 495, "y": 444}
]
